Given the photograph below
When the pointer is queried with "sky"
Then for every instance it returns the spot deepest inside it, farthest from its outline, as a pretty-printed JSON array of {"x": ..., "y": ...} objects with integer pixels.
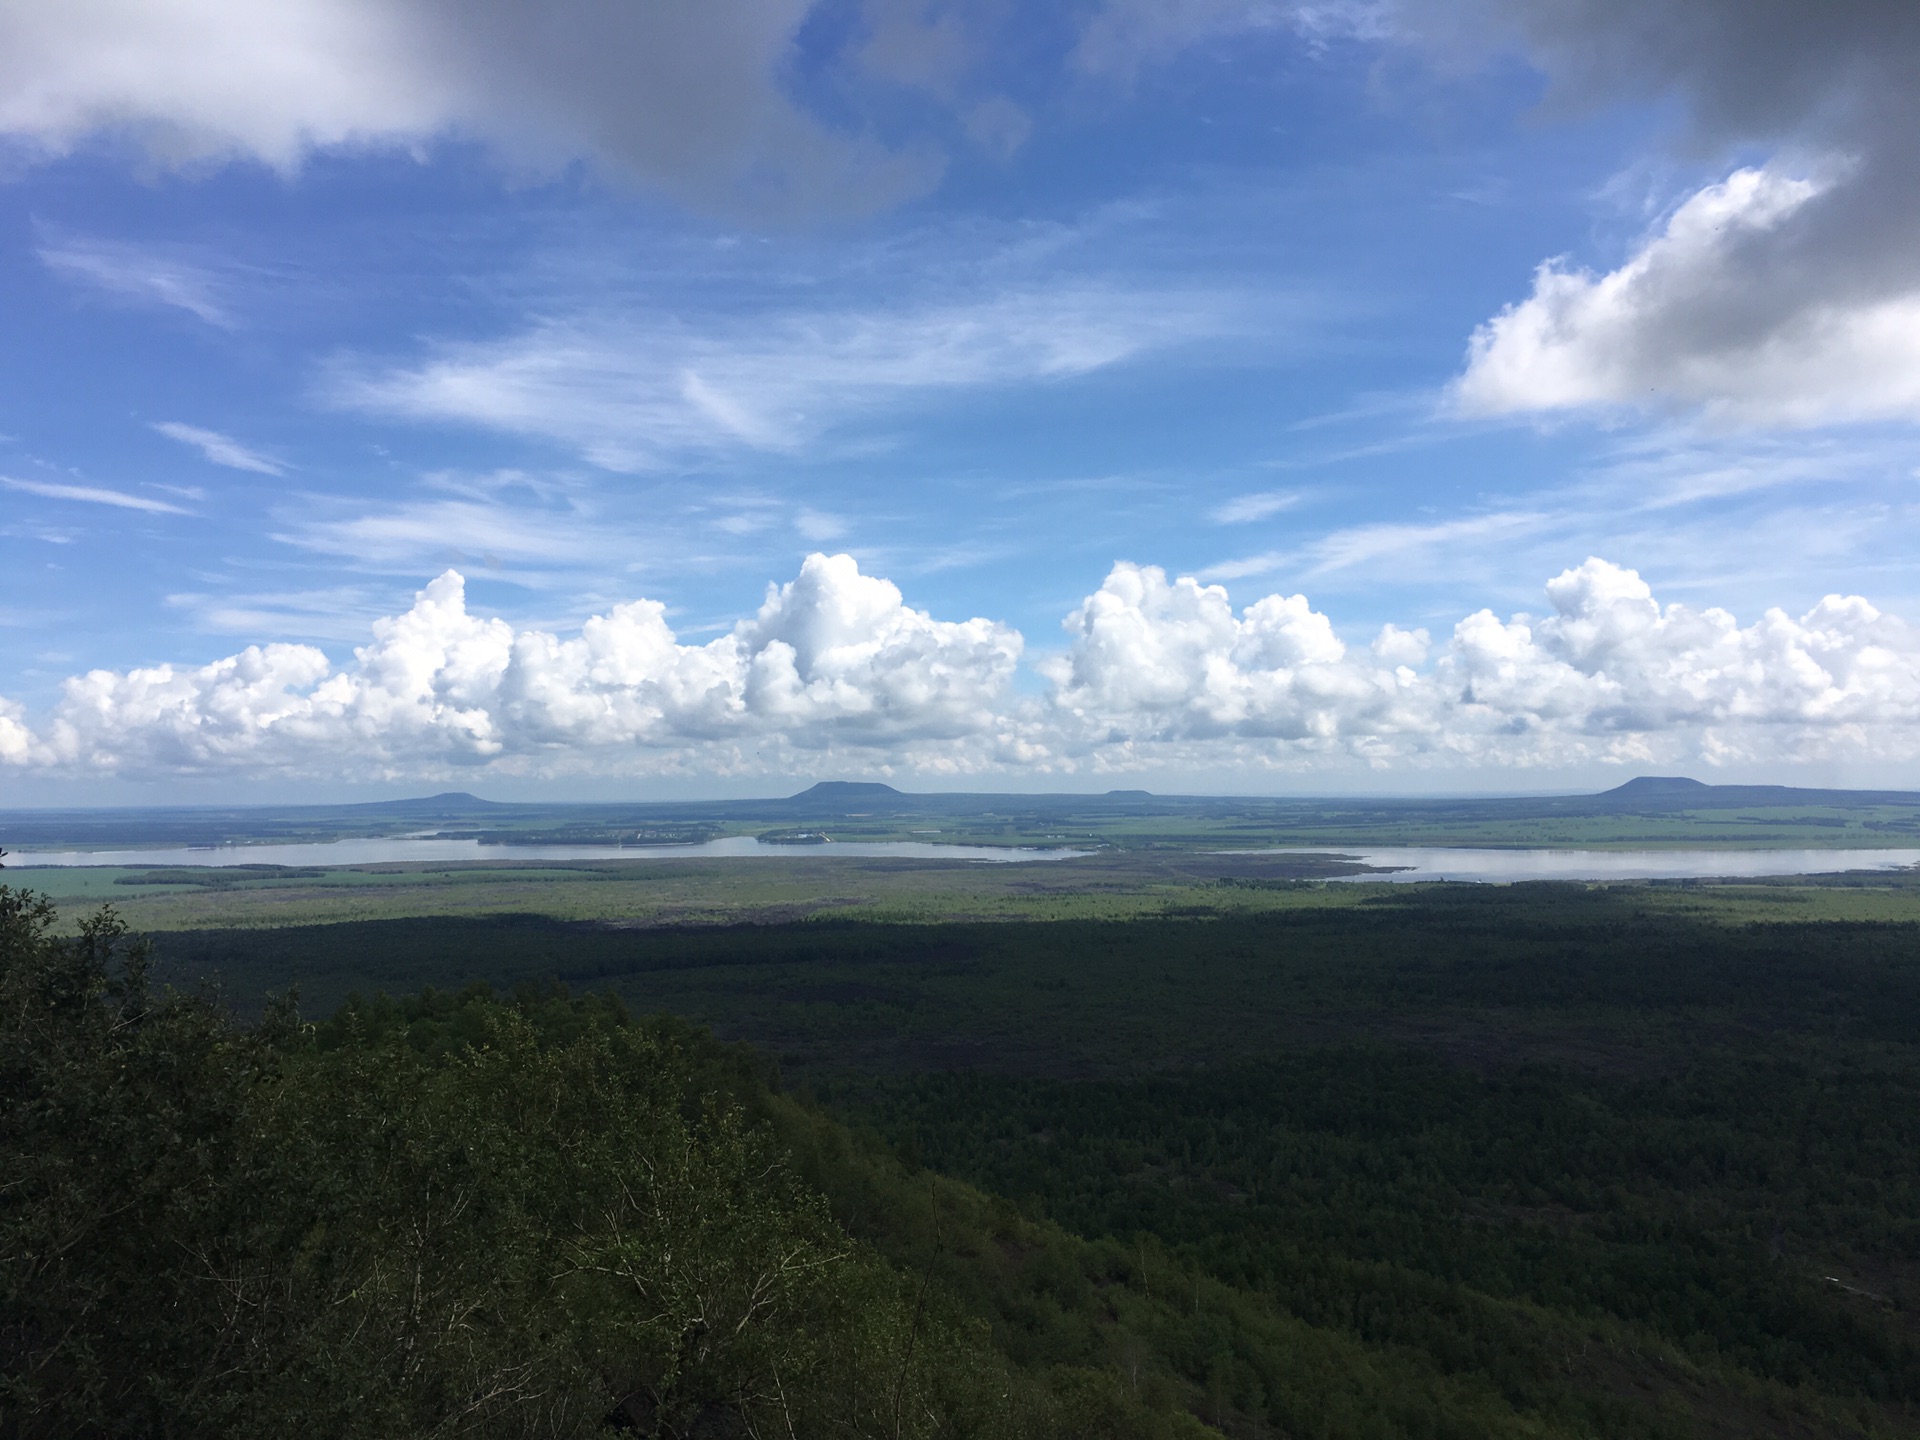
[{"x": 607, "y": 400}]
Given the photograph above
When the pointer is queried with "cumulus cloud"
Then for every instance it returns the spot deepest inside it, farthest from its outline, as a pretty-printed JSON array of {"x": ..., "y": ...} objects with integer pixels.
[
  {"x": 16, "y": 741},
  {"x": 1784, "y": 292},
  {"x": 1156, "y": 672},
  {"x": 687, "y": 97},
  {"x": 1612, "y": 669},
  {"x": 1685, "y": 323},
  {"x": 1154, "y": 659},
  {"x": 833, "y": 657},
  {"x": 1609, "y": 675},
  {"x": 639, "y": 392}
]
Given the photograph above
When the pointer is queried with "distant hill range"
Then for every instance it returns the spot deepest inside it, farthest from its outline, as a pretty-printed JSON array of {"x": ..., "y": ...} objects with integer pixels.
[
  {"x": 456, "y": 812},
  {"x": 1677, "y": 792},
  {"x": 1644, "y": 794}
]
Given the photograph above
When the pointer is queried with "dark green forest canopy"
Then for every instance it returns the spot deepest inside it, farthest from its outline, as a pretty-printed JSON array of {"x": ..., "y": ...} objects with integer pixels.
[{"x": 1540, "y": 1160}]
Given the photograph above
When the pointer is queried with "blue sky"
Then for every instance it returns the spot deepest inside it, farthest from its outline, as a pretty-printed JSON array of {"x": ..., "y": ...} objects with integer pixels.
[{"x": 1128, "y": 368}]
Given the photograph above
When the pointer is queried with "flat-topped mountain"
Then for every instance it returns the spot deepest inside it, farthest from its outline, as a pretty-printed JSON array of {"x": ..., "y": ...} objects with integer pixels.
[
  {"x": 1659, "y": 785},
  {"x": 452, "y": 802},
  {"x": 1679, "y": 792},
  {"x": 849, "y": 790}
]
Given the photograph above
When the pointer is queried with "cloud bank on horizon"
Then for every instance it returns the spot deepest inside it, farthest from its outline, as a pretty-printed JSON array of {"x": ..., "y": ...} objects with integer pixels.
[
  {"x": 315, "y": 299},
  {"x": 1156, "y": 673}
]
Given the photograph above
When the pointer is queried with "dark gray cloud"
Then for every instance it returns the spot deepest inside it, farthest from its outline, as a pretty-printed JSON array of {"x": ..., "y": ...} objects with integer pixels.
[
  {"x": 1791, "y": 291},
  {"x": 1785, "y": 290},
  {"x": 1749, "y": 70},
  {"x": 689, "y": 98}
]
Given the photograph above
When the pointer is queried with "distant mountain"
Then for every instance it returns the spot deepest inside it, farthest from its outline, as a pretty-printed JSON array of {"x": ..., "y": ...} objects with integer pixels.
[
  {"x": 849, "y": 790},
  {"x": 832, "y": 798},
  {"x": 1658, "y": 785},
  {"x": 1677, "y": 792},
  {"x": 453, "y": 802}
]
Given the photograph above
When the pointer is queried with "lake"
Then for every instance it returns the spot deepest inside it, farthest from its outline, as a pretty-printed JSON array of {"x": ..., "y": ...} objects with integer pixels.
[
  {"x": 1407, "y": 863},
  {"x": 1500, "y": 866},
  {"x": 388, "y": 849}
]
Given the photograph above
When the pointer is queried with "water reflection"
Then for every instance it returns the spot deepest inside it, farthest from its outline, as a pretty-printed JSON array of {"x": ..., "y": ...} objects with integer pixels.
[
  {"x": 389, "y": 849},
  {"x": 1414, "y": 863}
]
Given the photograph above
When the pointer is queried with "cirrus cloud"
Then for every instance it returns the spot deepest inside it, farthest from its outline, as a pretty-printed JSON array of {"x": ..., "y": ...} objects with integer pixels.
[{"x": 638, "y": 392}]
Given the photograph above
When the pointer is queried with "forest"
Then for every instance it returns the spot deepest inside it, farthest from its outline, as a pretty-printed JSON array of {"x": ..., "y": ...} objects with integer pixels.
[{"x": 1533, "y": 1160}]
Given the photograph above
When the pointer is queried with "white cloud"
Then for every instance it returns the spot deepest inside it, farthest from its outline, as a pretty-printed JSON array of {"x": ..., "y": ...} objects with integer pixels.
[
  {"x": 1245, "y": 509},
  {"x": 833, "y": 657},
  {"x": 819, "y": 526},
  {"x": 139, "y": 275},
  {"x": 1785, "y": 294},
  {"x": 1157, "y": 672},
  {"x": 687, "y": 97},
  {"x": 341, "y": 614},
  {"x": 1610, "y": 676},
  {"x": 1395, "y": 646},
  {"x": 1788, "y": 293},
  {"x": 638, "y": 393},
  {"x": 16, "y": 741},
  {"x": 92, "y": 495},
  {"x": 1401, "y": 542},
  {"x": 1612, "y": 668},
  {"x": 220, "y": 449},
  {"x": 1681, "y": 324},
  {"x": 408, "y": 533},
  {"x": 1404, "y": 542},
  {"x": 1153, "y": 659}
]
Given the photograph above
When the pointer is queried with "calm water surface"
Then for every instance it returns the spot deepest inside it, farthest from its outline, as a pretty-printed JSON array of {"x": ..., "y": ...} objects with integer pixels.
[
  {"x": 402, "y": 847},
  {"x": 1407, "y": 863},
  {"x": 1442, "y": 863}
]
